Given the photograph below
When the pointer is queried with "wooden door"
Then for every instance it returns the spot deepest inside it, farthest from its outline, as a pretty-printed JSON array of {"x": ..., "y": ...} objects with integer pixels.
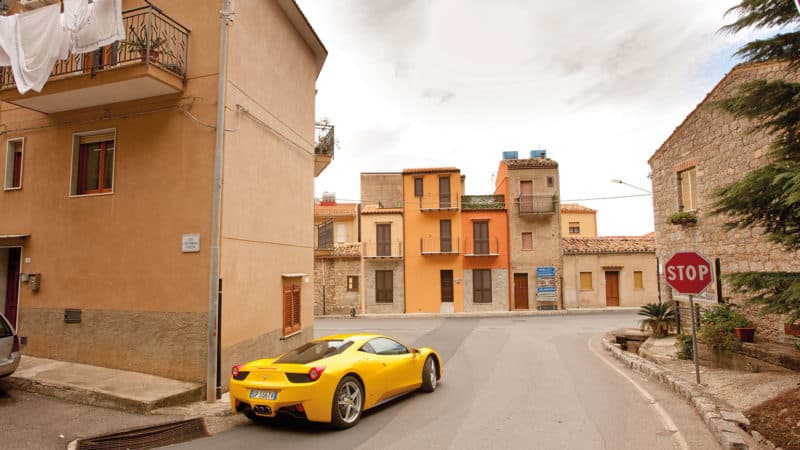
[
  {"x": 445, "y": 236},
  {"x": 612, "y": 288},
  {"x": 384, "y": 239},
  {"x": 447, "y": 286},
  {"x": 520, "y": 291},
  {"x": 12, "y": 286},
  {"x": 444, "y": 192},
  {"x": 526, "y": 196}
]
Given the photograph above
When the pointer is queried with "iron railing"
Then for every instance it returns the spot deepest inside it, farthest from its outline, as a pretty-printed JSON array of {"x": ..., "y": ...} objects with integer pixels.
[
  {"x": 536, "y": 204},
  {"x": 376, "y": 250},
  {"x": 151, "y": 37},
  {"x": 482, "y": 248},
  {"x": 324, "y": 139},
  {"x": 435, "y": 202},
  {"x": 325, "y": 235},
  {"x": 439, "y": 246},
  {"x": 472, "y": 202}
]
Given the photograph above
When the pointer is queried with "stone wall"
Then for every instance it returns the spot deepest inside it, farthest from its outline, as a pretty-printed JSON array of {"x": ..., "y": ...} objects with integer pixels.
[
  {"x": 499, "y": 292},
  {"x": 332, "y": 273},
  {"x": 722, "y": 149},
  {"x": 398, "y": 287}
]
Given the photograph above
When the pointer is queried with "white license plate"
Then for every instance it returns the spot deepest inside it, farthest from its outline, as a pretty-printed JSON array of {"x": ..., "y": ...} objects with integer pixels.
[{"x": 263, "y": 395}]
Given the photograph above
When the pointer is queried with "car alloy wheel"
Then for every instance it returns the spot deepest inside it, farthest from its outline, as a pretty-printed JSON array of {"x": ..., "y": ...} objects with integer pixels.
[
  {"x": 347, "y": 402},
  {"x": 429, "y": 378}
]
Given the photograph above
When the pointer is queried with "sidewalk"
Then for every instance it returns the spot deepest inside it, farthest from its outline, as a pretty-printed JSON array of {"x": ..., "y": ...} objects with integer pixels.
[{"x": 486, "y": 314}]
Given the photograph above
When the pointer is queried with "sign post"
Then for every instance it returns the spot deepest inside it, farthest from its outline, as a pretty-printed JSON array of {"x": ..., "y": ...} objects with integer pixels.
[{"x": 689, "y": 273}]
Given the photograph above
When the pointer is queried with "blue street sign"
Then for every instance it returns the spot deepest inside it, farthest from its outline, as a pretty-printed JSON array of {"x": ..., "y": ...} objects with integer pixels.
[{"x": 546, "y": 272}]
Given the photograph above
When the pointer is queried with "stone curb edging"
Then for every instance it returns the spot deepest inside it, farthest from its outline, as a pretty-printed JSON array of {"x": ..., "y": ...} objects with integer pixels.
[{"x": 722, "y": 423}]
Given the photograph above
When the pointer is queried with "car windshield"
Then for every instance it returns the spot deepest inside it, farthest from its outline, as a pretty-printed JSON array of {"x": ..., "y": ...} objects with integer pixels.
[{"x": 314, "y": 351}]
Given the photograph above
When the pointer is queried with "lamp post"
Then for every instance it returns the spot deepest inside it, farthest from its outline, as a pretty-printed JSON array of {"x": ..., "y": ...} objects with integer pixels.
[{"x": 614, "y": 180}]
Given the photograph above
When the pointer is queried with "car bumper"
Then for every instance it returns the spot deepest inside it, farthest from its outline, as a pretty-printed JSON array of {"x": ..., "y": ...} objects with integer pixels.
[
  {"x": 315, "y": 398},
  {"x": 8, "y": 366}
]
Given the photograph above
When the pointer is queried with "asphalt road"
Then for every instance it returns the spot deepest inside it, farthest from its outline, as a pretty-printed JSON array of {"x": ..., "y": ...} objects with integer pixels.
[{"x": 538, "y": 382}]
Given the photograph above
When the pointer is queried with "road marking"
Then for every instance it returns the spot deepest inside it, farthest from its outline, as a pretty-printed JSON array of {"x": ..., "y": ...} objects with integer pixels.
[{"x": 666, "y": 420}]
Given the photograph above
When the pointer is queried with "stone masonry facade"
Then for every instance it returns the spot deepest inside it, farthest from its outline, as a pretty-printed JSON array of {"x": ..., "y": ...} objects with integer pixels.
[
  {"x": 722, "y": 149},
  {"x": 499, "y": 292},
  {"x": 398, "y": 284},
  {"x": 332, "y": 273}
]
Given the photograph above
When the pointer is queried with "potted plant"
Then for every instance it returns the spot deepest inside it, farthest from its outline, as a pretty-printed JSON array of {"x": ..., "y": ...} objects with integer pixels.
[
  {"x": 152, "y": 43},
  {"x": 659, "y": 317},
  {"x": 742, "y": 327},
  {"x": 683, "y": 218}
]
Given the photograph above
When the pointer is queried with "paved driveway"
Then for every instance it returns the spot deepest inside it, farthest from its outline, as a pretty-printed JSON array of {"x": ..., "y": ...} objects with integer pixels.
[{"x": 513, "y": 382}]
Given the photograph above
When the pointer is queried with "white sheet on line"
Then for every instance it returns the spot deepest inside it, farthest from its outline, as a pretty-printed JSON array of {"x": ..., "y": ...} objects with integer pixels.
[
  {"x": 41, "y": 41},
  {"x": 76, "y": 14},
  {"x": 103, "y": 27}
]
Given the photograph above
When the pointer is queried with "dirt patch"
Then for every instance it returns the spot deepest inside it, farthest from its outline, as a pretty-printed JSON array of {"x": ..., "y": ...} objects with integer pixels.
[{"x": 778, "y": 420}]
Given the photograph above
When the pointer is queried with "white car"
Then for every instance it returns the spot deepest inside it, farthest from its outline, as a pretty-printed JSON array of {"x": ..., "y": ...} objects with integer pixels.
[{"x": 9, "y": 348}]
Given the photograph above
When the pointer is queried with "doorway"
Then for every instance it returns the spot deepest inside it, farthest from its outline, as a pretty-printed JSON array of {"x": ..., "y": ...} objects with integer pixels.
[
  {"x": 9, "y": 282},
  {"x": 520, "y": 291},
  {"x": 446, "y": 282},
  {"x": 612, "y": 288}
]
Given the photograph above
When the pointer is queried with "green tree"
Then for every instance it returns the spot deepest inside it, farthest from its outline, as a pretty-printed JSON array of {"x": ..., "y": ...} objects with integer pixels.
[{"x": 769, "y": 197}]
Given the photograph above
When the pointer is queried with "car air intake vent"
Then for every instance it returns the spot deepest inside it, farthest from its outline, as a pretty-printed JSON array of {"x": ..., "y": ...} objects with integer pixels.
[
  {"x": 298, "y": 377},
  {"x": 241, "y": 375}
]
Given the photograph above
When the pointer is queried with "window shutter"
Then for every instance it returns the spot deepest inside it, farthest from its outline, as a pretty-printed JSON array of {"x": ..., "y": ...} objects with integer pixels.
[
  {"x": 287, "y": 310},
  {"x": 295, "y": 307},
  {"x": 94, "y": 138}
]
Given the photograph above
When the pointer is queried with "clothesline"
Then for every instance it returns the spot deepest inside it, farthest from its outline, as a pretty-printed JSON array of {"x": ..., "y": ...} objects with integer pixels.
[{"x": 33, "y": 41}]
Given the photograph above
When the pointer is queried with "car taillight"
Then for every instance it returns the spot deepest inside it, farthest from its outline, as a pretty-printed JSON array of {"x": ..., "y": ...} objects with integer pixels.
[
  {"x": 235, "y": 370},
  {"x": 315, "y": 372},
  {"x": 15, "y": 345}
]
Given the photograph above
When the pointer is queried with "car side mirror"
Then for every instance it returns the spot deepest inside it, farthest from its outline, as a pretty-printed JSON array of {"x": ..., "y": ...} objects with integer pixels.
[{"x": 415, "y": 351}]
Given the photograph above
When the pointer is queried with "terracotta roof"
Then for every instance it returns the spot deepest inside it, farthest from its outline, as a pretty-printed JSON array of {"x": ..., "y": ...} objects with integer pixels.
[
  {"x": 607, "y": 244},
  {"x": 530, "y": 163},
  {"x": 372, "y": 209},
  {"x": 347, "y": 250},
  {"x": 339, "y": 209},
  {"x": 432, "y": 170},
  {"x": 651, "y": 235},
  {"x": 574, "y": 207}
]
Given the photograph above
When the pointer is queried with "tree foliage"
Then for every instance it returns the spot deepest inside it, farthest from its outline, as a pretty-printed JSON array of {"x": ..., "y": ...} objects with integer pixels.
[{"x": 768, "y": 197}]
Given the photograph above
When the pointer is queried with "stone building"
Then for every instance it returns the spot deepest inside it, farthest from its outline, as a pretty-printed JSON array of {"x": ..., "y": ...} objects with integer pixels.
[
  {"x": 709, "y": 150},
  {"x": 337, "y": 254}
]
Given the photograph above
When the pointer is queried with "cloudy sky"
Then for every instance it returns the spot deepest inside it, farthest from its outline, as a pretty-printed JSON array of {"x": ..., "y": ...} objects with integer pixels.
[{"x": 598, "y": 84}]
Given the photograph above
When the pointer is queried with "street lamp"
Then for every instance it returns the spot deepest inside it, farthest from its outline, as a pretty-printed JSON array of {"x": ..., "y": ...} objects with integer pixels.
[{"x": 614, "y": 180}]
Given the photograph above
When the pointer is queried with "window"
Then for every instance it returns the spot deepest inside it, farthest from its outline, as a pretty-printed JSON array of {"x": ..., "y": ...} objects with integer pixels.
[
  {"x": 637, "y": 280},
  {"x": 586, "y": 281},
  {"x": 383, "y": 286},
  {"x": 444, "y": 192},
  {"x": 93, "y": 163},
  {"x": 383, "y": 233},
  {"x": 291, "y": 307},
  {"x": 480, "y": 237},
  {"x": 482, "y": 286},
  {"x": 352, "y": 283},
  {"x": 384, "y": 346},
  {"x": 314, "y": 351},
  {"x": 687, "y": 188},
  {"x": 549, "y": 181},
  {"x": 445, "y": 239},
  {"x": 13, "y": 178},
  {"x": 527, "y": 241},
  {"x": 417, "y": 187},
  {"x": 574, "y": 228}
]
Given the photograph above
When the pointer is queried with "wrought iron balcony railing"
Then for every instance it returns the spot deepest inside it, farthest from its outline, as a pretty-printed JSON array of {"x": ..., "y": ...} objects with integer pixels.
[
  {"x": 439, "y": 246},
  {"x": 438, "y": 203},
  {"x": 383, "y": 250},
  {"x": 474, "y": 202},
  {"x": 489, "y": 247},
  {"x": 151, "y": 37},
  {"x": 536, "y": 204},
  {"x": 324, "y": 139}
]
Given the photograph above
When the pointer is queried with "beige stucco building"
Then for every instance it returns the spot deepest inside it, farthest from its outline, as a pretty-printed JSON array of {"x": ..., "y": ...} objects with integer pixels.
[
  {"x": 578, "y": 220},
  {"x": 609, "y": 271},
  {"x": 110, "y": 220}
]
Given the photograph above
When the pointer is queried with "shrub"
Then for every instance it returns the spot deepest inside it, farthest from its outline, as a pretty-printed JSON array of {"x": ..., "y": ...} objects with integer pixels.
[
  {"x": 659, "y": 317},
  {"x": 683, "y": 218},
  {"x": 683, "y": 344},
  {"x": 719, "y": 337}
]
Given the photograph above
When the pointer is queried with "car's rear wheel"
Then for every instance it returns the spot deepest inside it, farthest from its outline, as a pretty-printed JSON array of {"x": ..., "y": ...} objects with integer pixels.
[
  {"x": 348, "y": 402},
  {"x": 429, "y": 378}
]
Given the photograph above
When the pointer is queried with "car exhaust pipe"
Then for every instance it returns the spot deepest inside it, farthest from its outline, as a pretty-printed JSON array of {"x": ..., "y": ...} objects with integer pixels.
[{"x": 262, "y": 410}]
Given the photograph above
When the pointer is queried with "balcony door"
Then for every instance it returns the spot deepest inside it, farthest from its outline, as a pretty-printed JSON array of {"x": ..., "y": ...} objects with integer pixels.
[
  {"x": 526, "y": 196},
  {"x": 445, "y": 237},
  {"x": 383, "y": 233},
  {"x": 444, "y": 192},
  {"x": 480, "y": 238}
]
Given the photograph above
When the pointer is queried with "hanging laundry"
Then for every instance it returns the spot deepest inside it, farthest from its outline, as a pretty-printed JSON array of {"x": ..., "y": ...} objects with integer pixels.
[
  {"x": 41, "y": 41},
  {"x": 8, "y": 39},
  {"x": 103, "y": 27},
  {"x": 75, "y": 15}
]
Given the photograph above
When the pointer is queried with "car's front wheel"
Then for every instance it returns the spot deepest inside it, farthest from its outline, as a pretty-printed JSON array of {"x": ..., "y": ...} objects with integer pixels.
[
  {"x": 429, "y": 377},
  {"x": 348, "y": 402}
]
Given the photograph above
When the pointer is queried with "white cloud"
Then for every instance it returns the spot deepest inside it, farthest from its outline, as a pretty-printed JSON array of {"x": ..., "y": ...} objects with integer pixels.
[{"x": 599, "y": 84}]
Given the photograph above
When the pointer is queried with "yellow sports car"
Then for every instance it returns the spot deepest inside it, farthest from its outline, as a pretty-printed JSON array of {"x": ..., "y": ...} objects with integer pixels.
[{"x": 333, "y": 379}]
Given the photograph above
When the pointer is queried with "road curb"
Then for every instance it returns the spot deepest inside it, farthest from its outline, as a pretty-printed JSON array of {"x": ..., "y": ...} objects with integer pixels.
[
  {"x": 724, "y": 424},
  {"x": 483, "y": 314}
]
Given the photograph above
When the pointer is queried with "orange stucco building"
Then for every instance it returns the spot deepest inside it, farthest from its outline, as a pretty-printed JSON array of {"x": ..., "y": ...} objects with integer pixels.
[
  {"x": 107, "y": 232},
  {"x": 484, "y": 222}
]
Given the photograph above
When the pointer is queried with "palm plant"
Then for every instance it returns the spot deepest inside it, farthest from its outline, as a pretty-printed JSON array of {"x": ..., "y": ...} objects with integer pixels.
[{"x": 659, "y": 317}]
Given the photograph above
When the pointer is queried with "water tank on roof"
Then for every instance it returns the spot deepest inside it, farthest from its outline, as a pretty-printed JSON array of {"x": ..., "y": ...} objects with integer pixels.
[
  {"x": 510, "y": 155},
  {"x": 539, "y": 153}
]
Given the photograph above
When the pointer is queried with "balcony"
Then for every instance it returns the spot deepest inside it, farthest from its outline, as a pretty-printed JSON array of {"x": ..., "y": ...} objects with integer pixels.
[
  {"x": 323, "y": 147},
  {"x": 381, "y": 250},
  {"x": 439, "y": 246},
  {"x": 479, "y": 202},
  {"x": 431, "y": 203},
  {"x": 151, "y": 62},
  {"x": 473, "y": 248},
  {"x": 536, "y": 205}
]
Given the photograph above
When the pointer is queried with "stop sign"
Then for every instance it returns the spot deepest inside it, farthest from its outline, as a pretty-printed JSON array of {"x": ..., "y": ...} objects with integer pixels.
[{"x": 688, "y": 272}]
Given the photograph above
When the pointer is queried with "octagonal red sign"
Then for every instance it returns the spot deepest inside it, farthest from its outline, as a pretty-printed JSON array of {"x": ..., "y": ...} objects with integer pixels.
[{"x": 688, "y": 272}]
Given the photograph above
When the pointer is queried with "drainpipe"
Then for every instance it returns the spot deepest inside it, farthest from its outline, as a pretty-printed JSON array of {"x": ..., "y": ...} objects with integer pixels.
[{"x": 213, "y": 283}]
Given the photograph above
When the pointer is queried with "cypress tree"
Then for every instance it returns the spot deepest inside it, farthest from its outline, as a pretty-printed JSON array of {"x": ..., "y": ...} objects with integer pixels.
[{"x": 768, "y": 197}]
